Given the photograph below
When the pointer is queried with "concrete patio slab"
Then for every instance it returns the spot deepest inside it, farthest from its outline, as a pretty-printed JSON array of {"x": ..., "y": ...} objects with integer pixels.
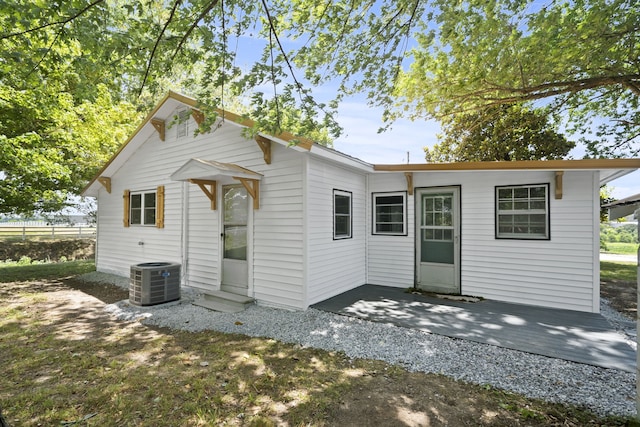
[{"x": 571, "y": 335}]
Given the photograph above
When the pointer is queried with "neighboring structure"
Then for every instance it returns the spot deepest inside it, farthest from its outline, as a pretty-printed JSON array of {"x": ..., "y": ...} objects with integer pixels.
[
  {"x": 623, "y": 207},
  {"x": 620, "y": 209},
  {"x": 291, "y": 223}
]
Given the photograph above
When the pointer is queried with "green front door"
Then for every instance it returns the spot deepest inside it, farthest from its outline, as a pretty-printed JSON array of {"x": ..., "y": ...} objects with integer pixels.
[{"x": 437, "y": 239}]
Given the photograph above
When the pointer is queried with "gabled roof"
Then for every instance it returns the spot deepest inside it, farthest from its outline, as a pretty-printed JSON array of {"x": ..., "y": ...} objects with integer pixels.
[
  {"x": 163, "y": 111},
  {"x": 610, "y": 169}
]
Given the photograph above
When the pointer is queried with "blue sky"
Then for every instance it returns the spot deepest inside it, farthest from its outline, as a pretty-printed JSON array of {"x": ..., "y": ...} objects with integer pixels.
[{"x": 361, "y": 122}]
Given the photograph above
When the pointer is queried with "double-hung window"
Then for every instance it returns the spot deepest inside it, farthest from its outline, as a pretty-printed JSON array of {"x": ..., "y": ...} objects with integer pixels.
[
  {"x": 144, "y": 207},
  {"x": 341, "y": 214},
  {"x": 389, "y": 214},
  {"x": 522, "y": 212}
]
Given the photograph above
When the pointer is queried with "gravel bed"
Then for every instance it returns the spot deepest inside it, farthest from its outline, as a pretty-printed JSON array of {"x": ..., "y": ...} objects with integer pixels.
[{"x": 603, "y": 391}]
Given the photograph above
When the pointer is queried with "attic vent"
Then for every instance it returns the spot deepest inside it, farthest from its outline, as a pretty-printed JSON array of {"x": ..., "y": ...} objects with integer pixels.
[{"x": 154, "y": 283}]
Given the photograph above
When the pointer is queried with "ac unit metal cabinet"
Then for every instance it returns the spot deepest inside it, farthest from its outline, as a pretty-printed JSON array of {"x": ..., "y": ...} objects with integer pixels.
[{"x": 154, "y": 283}]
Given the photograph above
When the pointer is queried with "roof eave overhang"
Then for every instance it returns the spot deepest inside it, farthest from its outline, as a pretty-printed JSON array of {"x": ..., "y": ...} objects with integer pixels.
[{"x": 628, "y": 165}]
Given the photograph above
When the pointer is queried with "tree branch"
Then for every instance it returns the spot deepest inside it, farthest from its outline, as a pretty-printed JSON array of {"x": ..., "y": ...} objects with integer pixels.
[
  {"x": 49, "y": 24},
  {"x": 284, "y": 54},
  {"x": 193, "y": 26},
  {"x": 545, "y": 90},
  {"x": 35, "y": 67},
  {"x": 157, "y": 43}
]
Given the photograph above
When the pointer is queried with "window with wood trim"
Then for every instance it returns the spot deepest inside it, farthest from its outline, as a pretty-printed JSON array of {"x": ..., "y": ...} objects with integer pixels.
[
  {"x": 341, "y": 214},
  {"x": 145, "y": 208},
  {"x": 389, "y": 213},
  {"x": 522, "y": 212}
]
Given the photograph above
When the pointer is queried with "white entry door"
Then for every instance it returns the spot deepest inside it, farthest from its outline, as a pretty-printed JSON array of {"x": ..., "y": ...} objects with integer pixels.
[
  {"x": 235, "y": 215},
  {"x": 438, "y": 239}
]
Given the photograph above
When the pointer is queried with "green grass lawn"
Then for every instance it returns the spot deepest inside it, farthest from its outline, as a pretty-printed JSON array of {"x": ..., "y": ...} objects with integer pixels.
[
  {"x": 21, "y": 272},
  {"x": 80, "y": 366},
  {"x": 620, "y": 271},
  {"x": 621, "y": 248}
]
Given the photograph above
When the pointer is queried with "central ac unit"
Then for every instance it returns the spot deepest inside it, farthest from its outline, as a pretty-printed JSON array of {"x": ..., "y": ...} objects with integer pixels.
[{"x": 154, "y": 283}]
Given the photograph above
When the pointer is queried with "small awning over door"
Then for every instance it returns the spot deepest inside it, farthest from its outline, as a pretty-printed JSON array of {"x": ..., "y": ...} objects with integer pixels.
[
  {"x": 208, "y": 173},
  {"x": 212, "y": 170}
]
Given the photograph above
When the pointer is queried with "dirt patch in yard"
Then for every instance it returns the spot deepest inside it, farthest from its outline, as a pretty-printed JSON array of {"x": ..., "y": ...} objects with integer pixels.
[
  {"x": 74, "y": 361},
  {"x": 622, "y": 296}
]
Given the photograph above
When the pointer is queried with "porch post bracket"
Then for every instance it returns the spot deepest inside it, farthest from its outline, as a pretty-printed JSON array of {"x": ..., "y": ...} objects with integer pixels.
[
  {"x": 209, "y": 192},
  {"x": 559, "y": 184},
  {"x": 409, "y": 176},
  {"x": 253, "y": 188},
  {"x": 265, "y": 146},
  {"x": 106, "y": 183},
  {"x": 198, "y": 116},
  {"x": 159, "y": 126}
]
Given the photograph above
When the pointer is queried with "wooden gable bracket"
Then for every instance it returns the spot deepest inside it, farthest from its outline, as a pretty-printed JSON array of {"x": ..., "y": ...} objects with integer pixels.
[
  {"x": 106, "y": 183},
  {"x": 253, "y": 188},
  {"x": 209, "y": 192},
  {"x": 198, "y": 116},
  {"x": 409, "y": 176},
  {"x": 559, "y": 184},
  {"x": 265, "y": 146},
  {"x": 159, "y": 125}
]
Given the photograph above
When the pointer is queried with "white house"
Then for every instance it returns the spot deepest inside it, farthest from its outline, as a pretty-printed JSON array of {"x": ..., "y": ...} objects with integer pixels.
[{"x": 289, "y": 225}]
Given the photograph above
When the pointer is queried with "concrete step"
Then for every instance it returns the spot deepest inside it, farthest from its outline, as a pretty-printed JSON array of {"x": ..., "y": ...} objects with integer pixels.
[{"x": 225, "y": 302}]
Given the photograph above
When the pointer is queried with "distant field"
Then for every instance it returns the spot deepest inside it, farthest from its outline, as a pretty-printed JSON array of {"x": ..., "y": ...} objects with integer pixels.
[{"x": 621, "y": 248}]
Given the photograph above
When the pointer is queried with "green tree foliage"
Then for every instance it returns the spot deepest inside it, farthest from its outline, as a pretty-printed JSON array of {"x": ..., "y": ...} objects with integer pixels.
[
  {"x": 62, "y": 110},
  {"x": 50, "y": 146},
  {"x": 582, "y": 57},
  {"x": 606, "y": 197},
  {"x": 627, "y": 233},
  {"x": 509, "y": 132}
]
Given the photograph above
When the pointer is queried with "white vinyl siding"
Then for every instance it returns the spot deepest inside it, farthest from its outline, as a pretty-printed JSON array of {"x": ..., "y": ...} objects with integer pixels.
[
  {"x": 555, "y": 273},
  {"x": 278, "y": 231},
  {"x": 276, "y": 269},
  {"x": 334, "y": 266},
  {"x": 294, "y": 260},
  {"x": 390, "y": 259}
]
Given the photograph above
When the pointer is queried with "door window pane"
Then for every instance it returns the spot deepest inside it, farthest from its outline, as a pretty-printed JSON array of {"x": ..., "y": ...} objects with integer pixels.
[
  {"x": 235, "y": 205},
  {"x": 235, "y": 242}
]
